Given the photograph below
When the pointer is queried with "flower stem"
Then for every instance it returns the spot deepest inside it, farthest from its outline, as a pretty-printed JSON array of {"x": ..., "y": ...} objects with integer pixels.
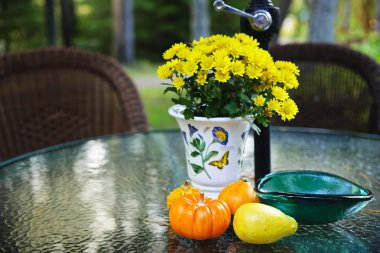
[{"x": 204, "y": 168}]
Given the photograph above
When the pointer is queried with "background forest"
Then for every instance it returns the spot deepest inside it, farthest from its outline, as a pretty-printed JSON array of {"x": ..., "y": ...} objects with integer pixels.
[{"x": 159, "y": 23}]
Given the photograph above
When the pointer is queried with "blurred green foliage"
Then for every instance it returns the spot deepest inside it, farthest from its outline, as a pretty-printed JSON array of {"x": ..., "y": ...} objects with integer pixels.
[
  {"x": 156, "y": 105},
  {"x": 93, "y": 25},
  {"x": 160, "y": 23},
  {"x": 21, "y": 24}
]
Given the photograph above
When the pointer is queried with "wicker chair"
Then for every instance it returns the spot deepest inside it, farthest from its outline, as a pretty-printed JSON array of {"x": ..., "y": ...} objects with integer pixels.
[
  {"x": 55, "y": 95},
  {"x": 339, "y": 87}
]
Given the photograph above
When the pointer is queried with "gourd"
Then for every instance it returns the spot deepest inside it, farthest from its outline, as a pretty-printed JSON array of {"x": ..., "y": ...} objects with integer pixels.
[
  {"x": 185, "y": 188},
  {"x": 237, "y": 194},
  {"x": 198, "y": 217}
]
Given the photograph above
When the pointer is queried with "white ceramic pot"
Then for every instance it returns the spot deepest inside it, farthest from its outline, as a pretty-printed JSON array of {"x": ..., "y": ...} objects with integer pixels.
[{"x": 214, "y": 149}]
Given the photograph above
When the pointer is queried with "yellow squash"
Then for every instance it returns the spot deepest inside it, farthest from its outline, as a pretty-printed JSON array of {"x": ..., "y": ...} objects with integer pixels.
[
  {"x": 184, "y": 189},
  {"x": 262, "y": 224}
]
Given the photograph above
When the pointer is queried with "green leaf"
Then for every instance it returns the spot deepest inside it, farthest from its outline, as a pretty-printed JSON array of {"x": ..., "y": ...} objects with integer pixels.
[
  {"x": 195, "y": 154},
  {"x": 244, "y": 98},
  {"x": 216, "y": 92},
  {"x": 210, "y": 155},
  {"x": 202, "y": 145},
  {"x": 197, "y": 169},
  {"x": 262, "y": 120},
  {"x": 171, "y": 89},
  {"x": 184, "y": 101},
  {"x": 232, "y": 108},
  {"x": 175, "y": 101},
  {"x": 188, "y": 114},
  {"x": 196, "y": 144}
]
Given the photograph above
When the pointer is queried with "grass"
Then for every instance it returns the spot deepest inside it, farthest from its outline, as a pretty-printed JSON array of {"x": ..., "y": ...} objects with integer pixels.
[
  {"x": 155, "y": 102},
  {"x": 156, "y": 106},
  {"x": 142, "y": 68}
]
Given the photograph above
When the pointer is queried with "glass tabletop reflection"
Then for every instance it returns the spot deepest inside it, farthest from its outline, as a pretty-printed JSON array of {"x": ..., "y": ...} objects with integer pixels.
[{"x": 108, "y": 194}]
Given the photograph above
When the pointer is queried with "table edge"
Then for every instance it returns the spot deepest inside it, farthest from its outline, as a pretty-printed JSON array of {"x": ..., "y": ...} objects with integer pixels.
[{"x": 273, "y": 128}]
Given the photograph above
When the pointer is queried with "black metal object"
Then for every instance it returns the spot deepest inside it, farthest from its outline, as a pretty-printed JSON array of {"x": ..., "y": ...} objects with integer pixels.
[
  {"x": 263, "y": 37},
  {"x": 262, "y": 141}
]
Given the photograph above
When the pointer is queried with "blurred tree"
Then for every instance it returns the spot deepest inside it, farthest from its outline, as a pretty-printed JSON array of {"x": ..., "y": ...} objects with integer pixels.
[
  {"x": 68, "y": 22},
  {"x": 378, "y": 15},
  {"x": 200, "y": 18},
  {"x": 345, "y": 26},
  {"x": 94, "y": 25},
  {"x": 21, "y": 24},
  {"x": 124, "y": 30},
  {"x": 159, "y": 24},
  {"x": 50, "y": 23},
  {"x": 284, "y": 6},
  {"x": 322, "y": 20}
]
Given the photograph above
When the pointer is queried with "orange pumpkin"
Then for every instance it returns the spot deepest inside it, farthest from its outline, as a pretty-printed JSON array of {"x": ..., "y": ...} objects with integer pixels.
[
  {"x": 198, "y": 217},
  {"x": 185, "y": 188},
  {"x": 237, "y": 194}
]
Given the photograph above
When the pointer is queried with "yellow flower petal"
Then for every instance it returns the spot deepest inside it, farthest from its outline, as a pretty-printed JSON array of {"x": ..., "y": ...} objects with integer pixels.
[
  {"x": 259, "y": 100},
  {"x": 222, "y": 76},
  {"x": 178, "y": 83},
  {"x": 279, "y": 93},
  {"x": 164, "y": 72},
  {"x": 288, "y": 110}
]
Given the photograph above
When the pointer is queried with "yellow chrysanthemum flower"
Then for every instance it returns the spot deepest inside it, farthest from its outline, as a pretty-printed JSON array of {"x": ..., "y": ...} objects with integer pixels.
[
  {"x": 246, "y": 39},
  {"x": 259, "y": 58},
  {"x": 253, "y": 72},
  {"x": 237, "y": 68},
  {"x": 189, "y": 68},
  {"x": 291, "y": 82},
  {"x": 221, "y": 53},
  {"x": 290, "y": 66},
  {"x": 195, "y": 56},
  {"x": 273, "y": 105},
  {"x": 170, "y": 53},
  {"x": 164, "y": 72},
  {"x": 222, "y": 76},
  {"x": 288, "y": 110},
  {"x": 202, "y": 77},
  {"x": 178, "y": 83},
  {"x": 268, "y": 113},
  {"x": 222, "y": 41},
  {"x": 226, "y": 61},
  {"x": 207, "y": 63},
  {"x": 175, "y": 65},
  {"x": 259, "y": 100},
  {"x": 235, "y": 48},
  {"x": 183, "y": 53},
  {"x": 204, "y": 49},
  {"x": 279, "y": 93},
  {"x": 222, "y": 63}
]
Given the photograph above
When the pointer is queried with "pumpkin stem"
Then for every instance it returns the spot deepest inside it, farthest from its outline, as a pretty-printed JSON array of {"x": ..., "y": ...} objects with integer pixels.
[
  {"x": 186, "y": 184},
  {"x": 244, "y": 179},
  {"x": 201, "y": 199}
]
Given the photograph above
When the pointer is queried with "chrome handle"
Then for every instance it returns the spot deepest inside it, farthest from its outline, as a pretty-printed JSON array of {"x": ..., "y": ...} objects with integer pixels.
[{"x": 261, "y": 20}]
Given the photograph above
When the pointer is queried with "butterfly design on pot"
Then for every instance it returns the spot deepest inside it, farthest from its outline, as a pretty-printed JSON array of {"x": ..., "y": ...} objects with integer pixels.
[
  {"x": 222, "y": 162},
  {"x": 197, "y": 147}
]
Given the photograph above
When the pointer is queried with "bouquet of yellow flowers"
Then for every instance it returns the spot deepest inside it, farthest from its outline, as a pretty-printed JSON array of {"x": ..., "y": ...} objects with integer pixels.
[{"x": 222, "y": 76}]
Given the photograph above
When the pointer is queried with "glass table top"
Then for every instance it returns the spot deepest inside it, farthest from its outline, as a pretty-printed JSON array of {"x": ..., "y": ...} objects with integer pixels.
[{"x": 108, "y": 194}]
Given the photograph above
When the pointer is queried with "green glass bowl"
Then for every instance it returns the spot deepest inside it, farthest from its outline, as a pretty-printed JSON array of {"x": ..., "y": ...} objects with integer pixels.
[{"x": 312, "y": 197}]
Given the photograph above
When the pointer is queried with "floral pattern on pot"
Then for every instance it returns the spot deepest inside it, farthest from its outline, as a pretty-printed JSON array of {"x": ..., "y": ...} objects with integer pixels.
[
  {"x": 220, "y": 135},
  {"x": 197, "y": 147}
]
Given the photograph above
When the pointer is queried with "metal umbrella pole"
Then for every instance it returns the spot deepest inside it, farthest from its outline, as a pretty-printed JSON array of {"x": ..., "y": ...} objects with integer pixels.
[{"x": 261, "y": 20}]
